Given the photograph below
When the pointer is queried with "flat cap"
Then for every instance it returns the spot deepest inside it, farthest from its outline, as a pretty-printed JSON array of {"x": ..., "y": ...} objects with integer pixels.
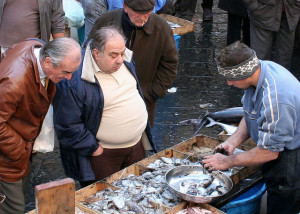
[{"x": 142, "y": 6}]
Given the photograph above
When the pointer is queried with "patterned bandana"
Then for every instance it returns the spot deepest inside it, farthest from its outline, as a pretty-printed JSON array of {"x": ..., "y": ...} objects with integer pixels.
[{"x": 241, "y": 71}]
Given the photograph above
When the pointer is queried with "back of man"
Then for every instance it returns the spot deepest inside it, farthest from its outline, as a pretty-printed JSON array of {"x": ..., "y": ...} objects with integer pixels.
[
  {"x": 16, "y": 75},
  {"x": 153, "y": 46},
  {"x": 271, "y": 118},
  {"x": 275, "y": 94},
  {"x": 20, "y": 20},
  {"x": 270, "y": 18}
]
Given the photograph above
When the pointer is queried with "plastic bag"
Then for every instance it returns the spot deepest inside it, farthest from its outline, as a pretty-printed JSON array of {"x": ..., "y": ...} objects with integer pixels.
[
  {"x": 74, "y": 14},
  {"x": 45, "y": 141}
]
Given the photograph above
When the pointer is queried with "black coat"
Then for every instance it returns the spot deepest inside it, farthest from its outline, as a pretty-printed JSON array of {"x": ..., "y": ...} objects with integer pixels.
[{"x": 233, "y": 6}]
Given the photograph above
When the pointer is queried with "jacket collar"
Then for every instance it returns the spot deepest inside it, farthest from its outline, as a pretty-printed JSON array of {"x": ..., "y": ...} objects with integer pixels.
[
  {"x": 148, "y": 27},
  {"x": 89, "y": 66}
]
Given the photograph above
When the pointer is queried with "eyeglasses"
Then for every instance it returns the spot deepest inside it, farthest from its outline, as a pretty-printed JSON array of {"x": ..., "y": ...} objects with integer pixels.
[{"x": 2, "y": 197}]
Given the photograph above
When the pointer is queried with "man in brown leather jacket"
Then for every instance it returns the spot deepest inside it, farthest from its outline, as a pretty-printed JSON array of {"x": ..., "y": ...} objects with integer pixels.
[
  {"x": 28, "y": 74},
  {"x": 152, "y": 41}
]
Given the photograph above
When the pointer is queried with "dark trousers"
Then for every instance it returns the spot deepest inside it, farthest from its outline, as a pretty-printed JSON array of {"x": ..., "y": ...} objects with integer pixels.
[
  {"x": 113, "y": 160},
  {"x": 277, "y": 204},
  {"x": 14, "y": 202},
  {"x": 236, "y": 25},
  {"x": 282, "y": 177},
  {"x": 207, "y": 4},
  {"x": 262, "y": 43},
  {"x": 186, "y": 8}
]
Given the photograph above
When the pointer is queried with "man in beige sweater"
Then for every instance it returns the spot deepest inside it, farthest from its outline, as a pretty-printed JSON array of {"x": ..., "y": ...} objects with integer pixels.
[{"x": 100, "y": 115}]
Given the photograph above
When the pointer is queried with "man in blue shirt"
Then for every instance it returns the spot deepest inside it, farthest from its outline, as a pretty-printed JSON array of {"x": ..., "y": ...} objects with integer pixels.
[{"x": 271, "y": 109}]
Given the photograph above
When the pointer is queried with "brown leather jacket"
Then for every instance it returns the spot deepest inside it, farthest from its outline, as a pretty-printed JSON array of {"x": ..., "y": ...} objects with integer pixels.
[{"x": 24, "y": 102}]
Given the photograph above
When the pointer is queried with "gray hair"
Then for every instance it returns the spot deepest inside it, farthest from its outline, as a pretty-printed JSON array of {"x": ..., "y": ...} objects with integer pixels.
[
  {"x": 58, "y": 49},
  {"x": 100, "y": 37},
  {"x": 234, "y": 54}
]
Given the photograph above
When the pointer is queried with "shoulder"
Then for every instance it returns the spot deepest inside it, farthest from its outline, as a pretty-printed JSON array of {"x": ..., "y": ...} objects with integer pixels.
[
  {"x": 160, "y": 26},
  {"x": 159, "y": 21},
  {"x": 111, "y": 15}
]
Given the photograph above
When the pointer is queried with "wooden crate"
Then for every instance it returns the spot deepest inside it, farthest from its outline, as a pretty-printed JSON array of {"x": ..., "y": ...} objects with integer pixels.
[
  {"x": 82, "y": 194},
  {"x": 168, "y": 153},
  {"x": 86, "y": 192},
  {"x": 185, "y": 25},
  {"x": 78, "y": 206},
  {"x": 198, "y": 141},
  {"x": 239, "y": 173},
  {"x": 86, "y": 209},
  {"x": 248, "y": 144},
  {"x": 184, "y": 205},
  {"x": 133, "y": 169}
]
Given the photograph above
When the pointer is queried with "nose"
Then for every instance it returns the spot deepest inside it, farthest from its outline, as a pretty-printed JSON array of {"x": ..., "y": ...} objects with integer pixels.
[
  {"x": 68, "y": 76},
  {"x": 145, "y": 17},
  {"x": 119, "y": 59}
]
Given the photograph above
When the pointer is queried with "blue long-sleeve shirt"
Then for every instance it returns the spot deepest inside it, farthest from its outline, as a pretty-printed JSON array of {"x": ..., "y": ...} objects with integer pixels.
[{"x": 272, "y": 109}]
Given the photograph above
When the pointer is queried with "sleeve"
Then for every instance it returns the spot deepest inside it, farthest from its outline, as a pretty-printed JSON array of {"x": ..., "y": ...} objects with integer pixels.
[
  {"x": 12, "y": 145},
  {"x": 114, "y": 4},
  {"x": 167, "y": 68},
  {"x": 57, "y": 17},
  {"x": 158, "y": 5},
  {"x": 72, "y": 133},
  {"x": 276, "y": 125}
]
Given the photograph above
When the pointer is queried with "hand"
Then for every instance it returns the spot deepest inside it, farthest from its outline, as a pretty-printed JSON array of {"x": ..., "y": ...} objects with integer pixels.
[
  {"x": 99, "y": 151},
  {"x": 217, "y": 162},
  {"x": 226, "y": 146}
]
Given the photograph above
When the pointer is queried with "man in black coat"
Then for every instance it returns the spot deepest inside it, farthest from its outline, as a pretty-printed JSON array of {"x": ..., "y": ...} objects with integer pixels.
[{"x": 186, "y": 9}]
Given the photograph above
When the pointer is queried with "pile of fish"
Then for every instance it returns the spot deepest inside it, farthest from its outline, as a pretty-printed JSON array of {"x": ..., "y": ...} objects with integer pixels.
[
  {"x": 206, "y": 186},
  {"x": 147, "y": 193},
  {"x": 195, "y": 210}
]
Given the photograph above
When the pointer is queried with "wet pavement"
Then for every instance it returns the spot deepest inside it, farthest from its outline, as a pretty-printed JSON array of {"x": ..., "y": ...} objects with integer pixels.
[{"x": 200, "y": 89}]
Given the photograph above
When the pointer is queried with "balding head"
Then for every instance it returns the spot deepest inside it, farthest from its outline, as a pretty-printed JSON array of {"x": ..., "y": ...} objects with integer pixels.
[
  {"x": 60, "y": 58},
  {"x": 58, "y": 49},
  {"x": 108, "y": 49},
  {"x": 100, "y": 37}
]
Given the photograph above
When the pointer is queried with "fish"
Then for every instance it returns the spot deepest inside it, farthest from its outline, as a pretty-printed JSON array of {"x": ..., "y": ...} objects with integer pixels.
[
  {"x": 134, "y": 207},
  {"x": 230, "y": 115},
  {"x": 148, "y": 192},
  {"x": 230, "y": 129}
]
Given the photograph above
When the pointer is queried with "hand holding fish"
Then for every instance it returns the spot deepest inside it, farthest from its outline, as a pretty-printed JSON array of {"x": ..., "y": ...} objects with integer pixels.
[
  {"x": 225, "y": 148},
  {"x": 217, "y": 162}
]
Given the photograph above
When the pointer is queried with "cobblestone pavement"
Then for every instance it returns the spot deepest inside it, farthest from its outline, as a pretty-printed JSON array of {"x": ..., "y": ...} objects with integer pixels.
[{"x": 197, "y": 83}]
